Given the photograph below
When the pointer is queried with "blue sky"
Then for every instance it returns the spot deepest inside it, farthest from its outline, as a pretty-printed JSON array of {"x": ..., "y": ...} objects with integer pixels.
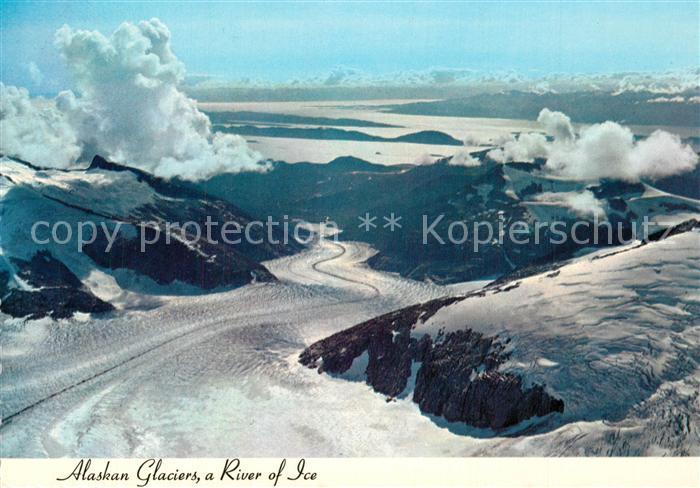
[{"x": 278, "y": 42}]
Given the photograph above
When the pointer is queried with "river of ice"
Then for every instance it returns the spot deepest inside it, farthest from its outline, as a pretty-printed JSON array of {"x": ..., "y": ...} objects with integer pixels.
[{"x": 217, "y": 375}]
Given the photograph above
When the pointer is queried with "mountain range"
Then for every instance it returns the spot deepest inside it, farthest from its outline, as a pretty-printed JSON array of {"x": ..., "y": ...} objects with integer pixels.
[{"x": 123, "y": 203}]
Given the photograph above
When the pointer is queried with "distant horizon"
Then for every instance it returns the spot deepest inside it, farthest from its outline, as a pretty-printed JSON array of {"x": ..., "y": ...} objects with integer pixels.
[
  {"x": 431, "y": 84},
  {"x": 360, "y": 44}
]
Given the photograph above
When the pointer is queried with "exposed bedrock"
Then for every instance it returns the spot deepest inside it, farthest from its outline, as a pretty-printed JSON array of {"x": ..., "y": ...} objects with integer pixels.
[
  {"x": 457, "y": 377},
  {"x": 387, "y": 339},
  {"x": 170, "y": 258},
  {"x": 447, "y": 384},
  {"x": 50, "y": 289}
]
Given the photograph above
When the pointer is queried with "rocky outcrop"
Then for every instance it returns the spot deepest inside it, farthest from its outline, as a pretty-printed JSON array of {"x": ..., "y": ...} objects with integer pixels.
[
  {"x": 170, "y": 257},
  {"x": 457, "y": 376},
  {"x": 489, "y": 192},
  {"x": 178, "y": 201},
  {"x": 50, "y": 290},
  {"x": 183, "y": 227},
  {"x": 388, "y": 341},
  {"x": 172, "y": 254},
  {"x": 448, "y": 384},
  {"x": 685, "y": 226}
]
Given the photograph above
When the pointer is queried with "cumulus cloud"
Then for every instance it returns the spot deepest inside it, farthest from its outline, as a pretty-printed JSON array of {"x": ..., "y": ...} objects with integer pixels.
[
  {"x": 34, "y": 130},
  {"x": 609, "y": 150},
  {"x": 498, "y": 155},
  {"x": 451, "y": 82},
  {"x": 556, "y": 124},
  {"x": 476, "y": 139},
  {"x": 606, "y": 150},
  {"x": 471, "y": 139},
  {"x": 584, "y": 204},
  {"x": 542, "y": 88},
  {"x": 129, "y": 108},
  {"x": 502, "y": 138},
  {"x": 662, "y": 154},
  {"x": 463, "y": 158},
  {"x": 525, "y": 148}
]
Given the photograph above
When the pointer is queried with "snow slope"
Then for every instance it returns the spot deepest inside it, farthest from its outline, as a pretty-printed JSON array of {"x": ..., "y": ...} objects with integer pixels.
[
  {"x": 204, "y": 375},
  {"x": 107, "y": 199},
  {"x": 617, "y": 324},
  {"x": 615, "y": 335}
]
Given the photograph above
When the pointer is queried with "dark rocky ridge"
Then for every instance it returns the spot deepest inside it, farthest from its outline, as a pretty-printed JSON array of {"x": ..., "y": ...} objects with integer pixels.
[
  {"x": 175, "y": 255},
  {"x": 195, "y": 205},
  {"x": 332, "y": 133},
  {"x": 58, "y": 293},
  {"x": 457, "y": 378},
  {"x": 584, "y": 107},
  {"x": 201, "y": 263},
  {"x": 348, "y": 187},
  {"x": 447, "y": 386},
  {"x": 391, "y": 354},
  {"x": 685, "y": 226},
  {"x": 234, "y": 117}
]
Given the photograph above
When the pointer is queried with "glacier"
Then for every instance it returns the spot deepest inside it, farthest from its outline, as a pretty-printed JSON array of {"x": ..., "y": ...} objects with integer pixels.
[{"x": 615, "y": 335}]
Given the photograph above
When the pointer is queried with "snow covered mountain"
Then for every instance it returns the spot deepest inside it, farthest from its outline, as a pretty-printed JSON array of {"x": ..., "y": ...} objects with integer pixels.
[
  {"x": 493, "y": 193},
  {"x": 59, "y": 276},
  {"x": 602, "y": 354},
  {"x": 571, "y": 350}
]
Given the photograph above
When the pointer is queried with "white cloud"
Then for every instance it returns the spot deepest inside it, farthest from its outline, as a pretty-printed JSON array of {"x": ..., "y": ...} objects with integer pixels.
[
  {"x": 424, "y": 159},
  {"x": 556, "y": 124},
  {"x": 525, "y": 148},
  {"x": 34, "y": 130},
  {"x": 497, "y": 155},
  {"x": 471, "y": 139},
  {"x": 601, "y": 151},
  {"x": 129, "y": 107},
  {"x": 477, "y": 139},
  {"x": 443, "y": 76},
  {"x": 676, "y": 99},
  {"x": 606, "y": 150},
  {"x": 463, "y": 158},
  {"x": 668, "y": 83},
  {"x": 662, "y": 154},
  {"x": 35, "y": 73},
  {"x": 452, "y": 81},
  {"x": 584, "y": 204},
  {"x": 542, "y": 87},
  {"x": 342, "y": 75},
  {"x": 502, "y": 138}
]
